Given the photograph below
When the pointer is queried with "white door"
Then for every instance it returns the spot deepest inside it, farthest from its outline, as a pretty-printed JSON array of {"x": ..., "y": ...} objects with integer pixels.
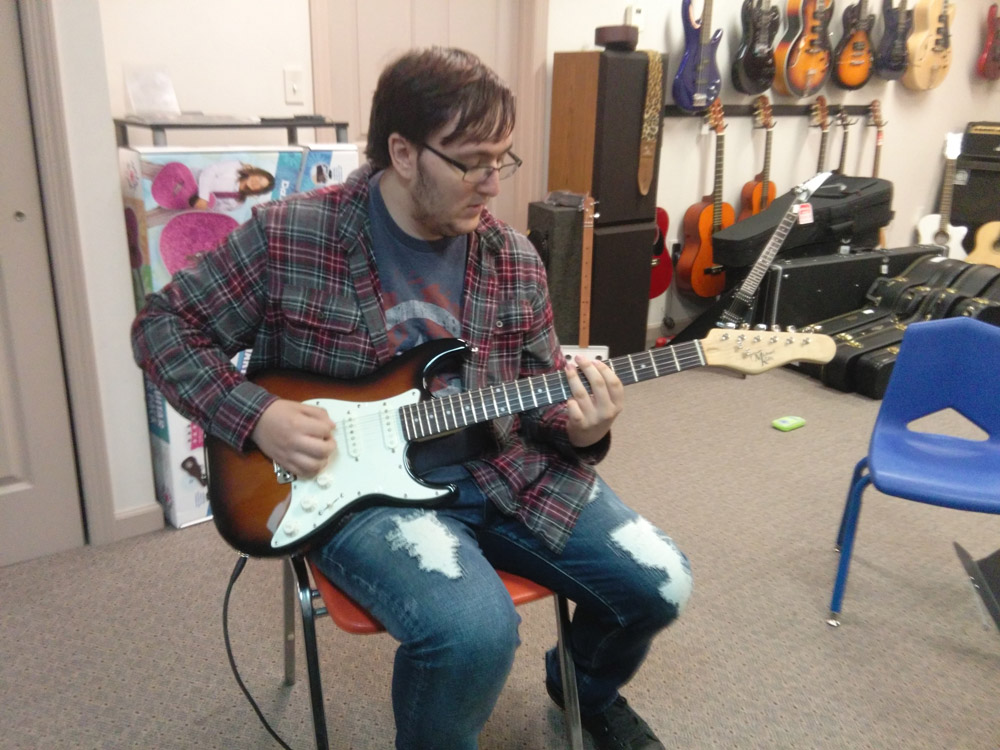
[{"x": 40, "y": 509}]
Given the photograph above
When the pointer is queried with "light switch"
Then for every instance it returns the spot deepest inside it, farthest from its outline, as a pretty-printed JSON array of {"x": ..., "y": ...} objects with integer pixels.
[{"x": 294, "y": 86}]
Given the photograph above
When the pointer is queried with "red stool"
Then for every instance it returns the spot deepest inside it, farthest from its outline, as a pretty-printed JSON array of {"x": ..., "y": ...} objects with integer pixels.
[{"x": 304, "y": 582}]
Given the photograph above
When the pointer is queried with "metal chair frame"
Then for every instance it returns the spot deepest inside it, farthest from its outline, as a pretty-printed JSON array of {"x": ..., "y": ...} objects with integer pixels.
[{"x": 299, "y": 587}]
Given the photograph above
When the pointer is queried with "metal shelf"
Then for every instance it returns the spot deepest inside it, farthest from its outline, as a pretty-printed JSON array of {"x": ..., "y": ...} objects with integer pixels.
[{"x": 160, "y": 127}]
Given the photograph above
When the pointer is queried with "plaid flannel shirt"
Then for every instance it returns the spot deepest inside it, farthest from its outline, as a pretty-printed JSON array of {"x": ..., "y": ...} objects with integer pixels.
[{"x": 298, "y": 284}]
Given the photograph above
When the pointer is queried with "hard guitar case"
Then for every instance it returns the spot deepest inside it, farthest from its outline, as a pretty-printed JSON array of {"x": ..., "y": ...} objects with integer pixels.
[
  {"x": 841, "y": 372},
  {"x": 847, "y": 212},
  {"x": 873, "y": 369}
]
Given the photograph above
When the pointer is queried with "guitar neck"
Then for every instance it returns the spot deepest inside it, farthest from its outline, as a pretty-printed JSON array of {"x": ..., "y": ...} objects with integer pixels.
[
  {"x": 705, "y": 32},
  {"x": 720, "y": 152},
  {"x": 744, "y": 295},
  {"x": 878, "y": 152},
  {"x": 821, "y": 166},
  {"x": 766, "y": 173},
  {"x": 586, "y": 270},
  {"x": 436, "y": 416},
  {"x": 946, "y": 192}
]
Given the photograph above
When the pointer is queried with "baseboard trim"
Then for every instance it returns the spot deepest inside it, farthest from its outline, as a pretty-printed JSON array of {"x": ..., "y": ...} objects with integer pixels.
[{"x": 138, "y": 521}]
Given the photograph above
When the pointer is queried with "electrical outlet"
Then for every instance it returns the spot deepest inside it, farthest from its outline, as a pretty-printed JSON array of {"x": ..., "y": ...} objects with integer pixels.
[{"x": 294, "y": 85}]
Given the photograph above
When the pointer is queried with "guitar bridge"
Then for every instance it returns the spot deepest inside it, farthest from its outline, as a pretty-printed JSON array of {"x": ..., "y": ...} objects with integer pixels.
[{"x": 282, "y": 475}]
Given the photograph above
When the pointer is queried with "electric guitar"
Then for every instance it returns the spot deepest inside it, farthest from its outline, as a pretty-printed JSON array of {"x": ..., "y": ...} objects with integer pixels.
[
  {"x": 663, "y": 266},
  {"x": 821, "y": 120},
  {"x": 937, "y": 229},
  {"x": 742, "y": 301},
  {"x": 891, "y": 57},
  {"x": 803, "y": 56},
  {"x": 853, "y": 56},
  {"x": 929, "y": 46},
  {"x": 988, "y": 64},
  {"x": 263, "y": 511},
  {"x": 753, "y": 66},
  {"x": 697, "y": 82},
  {"x": 758, "y": 193},
  {"x": 697, "y": 271},
  {"x": 987, "y": 249}
]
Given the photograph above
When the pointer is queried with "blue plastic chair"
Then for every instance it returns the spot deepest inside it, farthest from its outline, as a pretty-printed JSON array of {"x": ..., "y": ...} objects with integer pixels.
[{"x": 953, "y": 363}]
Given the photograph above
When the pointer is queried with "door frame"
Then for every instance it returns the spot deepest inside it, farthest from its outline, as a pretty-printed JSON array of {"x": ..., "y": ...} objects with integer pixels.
[{"x": 102, "y": 524}]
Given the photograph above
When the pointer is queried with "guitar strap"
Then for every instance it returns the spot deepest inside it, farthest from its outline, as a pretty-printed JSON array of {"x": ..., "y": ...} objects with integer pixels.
[{"x": 652, "y": 116}]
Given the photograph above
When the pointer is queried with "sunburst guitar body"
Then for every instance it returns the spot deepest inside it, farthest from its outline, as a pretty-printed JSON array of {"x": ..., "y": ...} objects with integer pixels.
[{"x": 803, "y": 56}]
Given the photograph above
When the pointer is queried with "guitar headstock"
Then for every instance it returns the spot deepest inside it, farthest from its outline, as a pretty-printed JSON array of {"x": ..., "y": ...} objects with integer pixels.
[
  {"x": 762, "y": 110},
  {"x": 821, "y": 114},
  {"x": 752, "y": 351},
  {"x": 952, "y": 146},
  {"x": 843, "y": 119},
  {"x": 875, "y": 112},
  {"x": 716, "y": 119},
  {"x": 588, "y": 210}
]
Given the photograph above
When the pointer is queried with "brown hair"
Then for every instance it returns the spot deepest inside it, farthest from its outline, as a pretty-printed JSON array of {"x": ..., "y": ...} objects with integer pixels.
[{"x": 425, "y": 89}]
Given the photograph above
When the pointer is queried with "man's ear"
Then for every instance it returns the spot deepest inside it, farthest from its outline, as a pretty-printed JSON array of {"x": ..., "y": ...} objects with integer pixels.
[{"x": 403, "y": 155}]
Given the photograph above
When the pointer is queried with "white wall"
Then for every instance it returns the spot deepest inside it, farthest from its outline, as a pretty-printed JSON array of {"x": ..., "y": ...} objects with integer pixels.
[
  {"x": 914, "y": 135},
  {"x": 223, "y": 57}
]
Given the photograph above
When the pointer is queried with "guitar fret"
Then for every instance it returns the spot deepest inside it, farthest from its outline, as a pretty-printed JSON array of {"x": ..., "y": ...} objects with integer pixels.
[{"x": 677, "y": 364}]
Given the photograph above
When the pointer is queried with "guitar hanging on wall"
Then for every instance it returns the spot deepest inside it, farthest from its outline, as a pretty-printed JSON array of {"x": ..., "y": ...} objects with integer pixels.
[
  {"x": 988, "y": 64},
  {"x": 697, "y": 272},
  {"x": 697, "y": 82},
  {"x": 854, "y": 61},
  {"x": 662, "y": 271},
  {"x": 929, "y": 46},
  {"x": 753, "y": 66},
  {"x": 263, "y": 511},
  {"x": 937, "y": 229},
  {"x": 845, "y": 123},
  {"x": 891, "y": 57},
  {"x": 803, "y": 56},
  {"x": 821, "y": 119},
  {"x": 758, "y": 193}
]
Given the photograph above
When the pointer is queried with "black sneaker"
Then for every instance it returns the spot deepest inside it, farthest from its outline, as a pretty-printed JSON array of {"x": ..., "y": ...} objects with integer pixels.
[{"x": 617, "y": 727}]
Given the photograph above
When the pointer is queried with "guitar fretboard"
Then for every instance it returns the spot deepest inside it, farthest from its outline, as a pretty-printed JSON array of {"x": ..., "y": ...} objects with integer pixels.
[
  {"x": 720, "y": 154},
  {"x": 439, "y": 415}
]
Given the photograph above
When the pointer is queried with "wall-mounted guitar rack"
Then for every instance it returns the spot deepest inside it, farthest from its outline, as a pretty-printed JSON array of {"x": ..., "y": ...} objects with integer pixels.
[{"x": 778, "y": 110}]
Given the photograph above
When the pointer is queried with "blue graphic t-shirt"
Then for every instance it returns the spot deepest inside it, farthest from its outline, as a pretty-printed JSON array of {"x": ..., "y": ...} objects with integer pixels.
[{"x": 421, "y": 280}]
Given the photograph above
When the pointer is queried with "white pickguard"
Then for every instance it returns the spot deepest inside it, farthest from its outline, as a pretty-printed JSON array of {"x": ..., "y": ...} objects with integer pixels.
[
  {"x": 928, "y": 227},
  {"x": 370, "y": 459}
]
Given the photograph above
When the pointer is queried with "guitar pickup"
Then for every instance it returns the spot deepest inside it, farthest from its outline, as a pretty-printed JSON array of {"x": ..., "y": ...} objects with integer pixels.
[{"x": 282, "y": 475}]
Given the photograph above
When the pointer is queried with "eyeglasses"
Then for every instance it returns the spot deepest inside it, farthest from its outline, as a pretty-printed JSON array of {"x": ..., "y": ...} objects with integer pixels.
[{"x": 481, "y": 174}]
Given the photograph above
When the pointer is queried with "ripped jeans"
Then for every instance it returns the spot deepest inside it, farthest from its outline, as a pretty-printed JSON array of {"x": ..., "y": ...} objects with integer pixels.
[{"x": 429, "y": 577}]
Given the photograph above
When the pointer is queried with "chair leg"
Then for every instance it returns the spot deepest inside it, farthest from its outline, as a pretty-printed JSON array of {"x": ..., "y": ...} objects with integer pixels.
[
  {"x": 289, "y": 597},
  {"x": 312, "y": 653},
  {"x": 859, "y": 469},
  {"x": 849, "y": 525},
  {"x": 567, "y": 672}
]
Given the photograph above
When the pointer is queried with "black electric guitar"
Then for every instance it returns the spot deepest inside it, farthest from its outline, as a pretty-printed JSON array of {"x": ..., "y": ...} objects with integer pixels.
[
  {"x": 891, "y": 57},
  {"x": 753, "y": 65},
  {"x": 262, "y": 511}
]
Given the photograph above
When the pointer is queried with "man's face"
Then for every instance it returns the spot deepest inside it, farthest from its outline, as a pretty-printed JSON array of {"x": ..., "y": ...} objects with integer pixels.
[{"x": 444, "y": 204}]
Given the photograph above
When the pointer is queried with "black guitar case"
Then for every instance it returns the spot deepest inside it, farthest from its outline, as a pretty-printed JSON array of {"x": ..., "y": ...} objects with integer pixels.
[
  {"x": 847, "y": 212},
  {"x": 873, "y": 369},
  {"x": 842, "y": 371},
  {"x": 892, "y": 297}
]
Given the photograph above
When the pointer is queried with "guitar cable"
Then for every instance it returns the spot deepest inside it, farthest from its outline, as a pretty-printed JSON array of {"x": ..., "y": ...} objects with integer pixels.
[{"x": 240, "y": 564}]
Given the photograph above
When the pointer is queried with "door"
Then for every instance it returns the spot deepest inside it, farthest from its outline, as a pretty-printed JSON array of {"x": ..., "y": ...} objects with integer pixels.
[{"x": 40, "y": 509}]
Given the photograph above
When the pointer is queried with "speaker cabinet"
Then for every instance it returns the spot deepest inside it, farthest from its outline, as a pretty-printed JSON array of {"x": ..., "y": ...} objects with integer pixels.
[
  {"x": 619, "y": 295},
  {"x": 598, "y": 99}
]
